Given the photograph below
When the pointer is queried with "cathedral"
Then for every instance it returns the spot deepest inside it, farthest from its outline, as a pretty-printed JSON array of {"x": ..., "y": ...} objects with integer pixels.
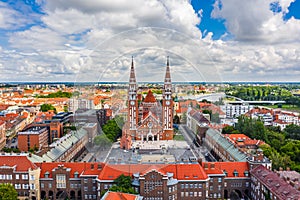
[{"x": 148, "y": 119}]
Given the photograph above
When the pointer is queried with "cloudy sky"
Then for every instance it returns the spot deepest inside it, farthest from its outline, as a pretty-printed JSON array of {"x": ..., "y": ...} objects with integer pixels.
[{"x": 93, "y": 40}]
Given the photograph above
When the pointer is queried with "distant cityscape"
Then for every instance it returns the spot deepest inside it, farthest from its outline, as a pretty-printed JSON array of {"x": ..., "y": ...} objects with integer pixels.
[{"x": 172, "y": 141}]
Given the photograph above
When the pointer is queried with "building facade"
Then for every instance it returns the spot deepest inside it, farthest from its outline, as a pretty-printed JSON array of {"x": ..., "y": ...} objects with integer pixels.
[
  {"x": 33, "y": 137},
  {"x": 148, "y": 120}
]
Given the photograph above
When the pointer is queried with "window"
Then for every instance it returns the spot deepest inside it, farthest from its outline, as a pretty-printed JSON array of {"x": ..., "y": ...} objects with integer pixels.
[
  {"x": 47, "y": 175},
  {"x": 17, "y": 186},
  {"x": 235, "y": 173},
  {"x": 31, "y": 177},
  {"x": 17, "y": 176},
  {"x": 85, "y": 180},
  {"x": 94, "y": 188},
  {"x": 199, "y": 185},
  {"x": 50, "y": 185},
  {"x": 219, "y": 187},
  {"x": 211, "y": 188},
  {"x": 25, "y": 186},
  {"x": 24, "y": 176},
  {"x": 219, "y": 180},
  {"x": 199, "y": 194},
  {"x": 76, "y": 175},
  {"x": 60, "y": 181},
  {"x": 9, "y": 177},
  {"x": 32, "y": 187},
  {"x": 42, "y": 185},
  {"x": 2, "y": 177}
]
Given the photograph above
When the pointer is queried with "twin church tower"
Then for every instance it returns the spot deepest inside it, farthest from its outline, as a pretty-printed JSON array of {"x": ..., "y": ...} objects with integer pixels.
[{"x": 148, "y": 119}]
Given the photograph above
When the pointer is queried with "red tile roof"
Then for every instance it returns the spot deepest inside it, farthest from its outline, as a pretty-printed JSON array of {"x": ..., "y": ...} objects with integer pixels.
[
  {"x": 80, "y": 167},
  {"x": 180, "y": 171},
  {"x": 21, "y": 162},
  {"x": 150, "y": 98},
  {"x": 229, "y": 167},
  {"x": 119, "y": 196},
  {"x": 275, "y": 184}
]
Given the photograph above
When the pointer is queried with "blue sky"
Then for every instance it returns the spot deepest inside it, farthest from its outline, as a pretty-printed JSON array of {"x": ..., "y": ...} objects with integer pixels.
[{"x": 57, "y": 40}]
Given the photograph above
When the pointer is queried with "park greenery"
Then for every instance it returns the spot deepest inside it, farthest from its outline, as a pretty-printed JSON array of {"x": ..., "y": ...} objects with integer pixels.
[
  {"x": 7, "y": 191},
  {"x": 111, "y": 131},
  {"x": 282, "y": 147},
  {"x": 58, "y": 94}
]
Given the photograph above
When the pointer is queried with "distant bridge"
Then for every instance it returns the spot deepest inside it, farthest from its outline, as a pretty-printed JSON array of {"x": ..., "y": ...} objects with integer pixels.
[
  {"x": 254, "y": 102},
  {"x": 218, "y": 96}
]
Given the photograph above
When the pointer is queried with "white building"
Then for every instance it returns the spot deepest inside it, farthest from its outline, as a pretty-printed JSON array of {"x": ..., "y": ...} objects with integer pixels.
[{"x": 233, "y": 111}]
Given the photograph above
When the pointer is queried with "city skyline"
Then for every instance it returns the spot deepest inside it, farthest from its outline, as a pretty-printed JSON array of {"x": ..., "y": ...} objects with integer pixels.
[{"x": 207, "y": 41}]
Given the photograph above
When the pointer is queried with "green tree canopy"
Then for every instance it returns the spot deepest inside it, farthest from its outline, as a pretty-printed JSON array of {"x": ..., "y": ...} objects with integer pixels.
[
  {"x": 102, "y": 141},
  {"x": 123, "y": 184},
  {"x": 47, "y": 107},
  {"x": 8, "y": 192}
]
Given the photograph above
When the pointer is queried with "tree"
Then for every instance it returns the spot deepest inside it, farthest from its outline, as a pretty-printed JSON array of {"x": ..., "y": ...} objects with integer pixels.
[
  {"x": 47, "y": 107},
  {"x": 123, "y": 184},
  {"x": 228, "y": 130},
  {"x": 102, "y": 141},
  {"x": 7, "y": 191},
  {"x": 176, "y": 119},
  {"x": 292, "y": 131}
]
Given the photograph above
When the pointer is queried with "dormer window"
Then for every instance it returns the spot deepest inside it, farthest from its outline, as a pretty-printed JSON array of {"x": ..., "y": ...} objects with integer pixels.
[
  {"x": 235, "y": 173},
  {"x": 246, "y": 173},
  {"x": 76, "y": 174},
  {"x": 225, "y": 172},
  {"x": 47, "y": 174}
]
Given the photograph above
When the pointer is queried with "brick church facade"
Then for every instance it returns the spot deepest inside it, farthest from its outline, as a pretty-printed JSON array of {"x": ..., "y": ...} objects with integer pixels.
[{"x": 148, "y": 120}]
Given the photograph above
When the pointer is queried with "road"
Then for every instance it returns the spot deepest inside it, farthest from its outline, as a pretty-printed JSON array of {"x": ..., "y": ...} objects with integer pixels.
[{"x": 199, "y": 150}]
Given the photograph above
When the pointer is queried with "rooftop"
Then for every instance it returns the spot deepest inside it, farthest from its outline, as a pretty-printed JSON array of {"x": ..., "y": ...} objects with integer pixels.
[{"x": 275, "y": 184}]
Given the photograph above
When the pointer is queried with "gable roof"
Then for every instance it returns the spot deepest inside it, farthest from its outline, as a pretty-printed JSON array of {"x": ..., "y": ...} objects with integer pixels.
[
  {"x": 180, "y": 171},
  {"x": 21, "y": 162},
  {"x": 109, "y": 195},
  {"x": 241, "y": 168},
  {"x": 150, "y": 98},
  {"x": 82, "y": 168}
]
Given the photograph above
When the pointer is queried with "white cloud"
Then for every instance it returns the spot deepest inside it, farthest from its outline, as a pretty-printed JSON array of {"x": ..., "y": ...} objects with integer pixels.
[{"x": 94, "y": 40}]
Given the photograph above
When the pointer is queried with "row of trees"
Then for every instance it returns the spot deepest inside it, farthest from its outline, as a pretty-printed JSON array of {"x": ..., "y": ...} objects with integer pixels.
[
  {"x": 267, "y": 93},
  {"x": 58, "y": 94},
  {"x": 283, "y": 147}
]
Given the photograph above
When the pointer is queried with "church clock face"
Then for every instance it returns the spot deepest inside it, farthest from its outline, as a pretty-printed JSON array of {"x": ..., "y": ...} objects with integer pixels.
[
  {"x": 132, "y": 103},
  {"x": 167, "y": 103}
]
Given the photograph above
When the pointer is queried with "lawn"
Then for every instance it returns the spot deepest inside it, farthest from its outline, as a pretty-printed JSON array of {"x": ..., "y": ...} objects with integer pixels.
[
  {"x": 178, "y": 137},
  {"x": 287, "y": 107}
]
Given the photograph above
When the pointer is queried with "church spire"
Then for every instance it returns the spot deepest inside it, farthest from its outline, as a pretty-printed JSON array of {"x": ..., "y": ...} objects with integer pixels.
[
  {"x": 132, "y": 72},
  {"x": 168, "y": 73}
]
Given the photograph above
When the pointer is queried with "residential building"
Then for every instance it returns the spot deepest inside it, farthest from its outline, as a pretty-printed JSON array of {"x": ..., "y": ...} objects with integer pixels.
[
  {"x": 198, "y": 123},
  {"x": 24, "y": 175},
  {"x": 266, "y": 184},
  {"x": 233, "y": 111},
  {"x": 33, "y": 137}
]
